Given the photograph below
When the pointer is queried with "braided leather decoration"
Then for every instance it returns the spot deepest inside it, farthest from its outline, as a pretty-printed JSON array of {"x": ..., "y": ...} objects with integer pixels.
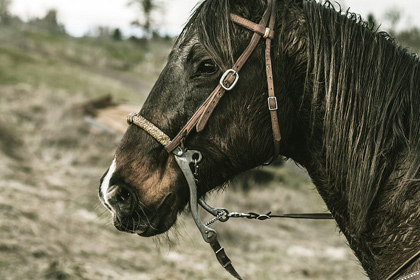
[{"x": 150, "y": 128}]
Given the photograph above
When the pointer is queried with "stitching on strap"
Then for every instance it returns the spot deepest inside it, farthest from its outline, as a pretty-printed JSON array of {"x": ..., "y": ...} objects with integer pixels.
[{"x": 411, "y": 276}]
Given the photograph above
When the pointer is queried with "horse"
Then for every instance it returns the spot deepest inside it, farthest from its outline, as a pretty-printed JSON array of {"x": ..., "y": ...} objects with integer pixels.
[{"x": 346, "y": 100}]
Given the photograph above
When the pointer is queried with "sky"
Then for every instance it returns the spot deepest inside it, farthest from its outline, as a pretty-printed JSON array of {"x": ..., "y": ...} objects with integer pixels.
[{"x": 83, "y": 16}]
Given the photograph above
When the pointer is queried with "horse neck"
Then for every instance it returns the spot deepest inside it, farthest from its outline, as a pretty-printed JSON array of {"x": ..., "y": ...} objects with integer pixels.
[
  {"x": 389, "y": 237},
  {"x": 363, "y": 162}
]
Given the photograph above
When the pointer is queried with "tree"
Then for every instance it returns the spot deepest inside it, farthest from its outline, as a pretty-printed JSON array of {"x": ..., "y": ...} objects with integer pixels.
[
  {"x": 4, "y": 11},
  {"x": 117, "y": 35},
  {"x": 102, "y": 32},
  {"x": 145, "y": 21},
  {"x": 50, "y": 18},
  {"x": 410, "y": 38},
  {"x": 49, "y": 23}
]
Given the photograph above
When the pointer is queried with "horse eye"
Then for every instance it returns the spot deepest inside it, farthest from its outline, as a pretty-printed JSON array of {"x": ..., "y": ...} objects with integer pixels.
[{"x": 206, "y": 68}]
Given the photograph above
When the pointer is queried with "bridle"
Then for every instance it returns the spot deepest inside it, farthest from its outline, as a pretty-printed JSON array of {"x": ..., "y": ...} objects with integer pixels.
[
  {"x": 230, "y": 78},
  {"x": 185, "y": 158},
  {"x": 190, "y": 158}
]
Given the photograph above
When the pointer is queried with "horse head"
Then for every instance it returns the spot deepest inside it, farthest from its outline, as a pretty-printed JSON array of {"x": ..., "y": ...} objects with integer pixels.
[
  {"x": 144, "y": 188},
  {"x": 347, "y": 108}
]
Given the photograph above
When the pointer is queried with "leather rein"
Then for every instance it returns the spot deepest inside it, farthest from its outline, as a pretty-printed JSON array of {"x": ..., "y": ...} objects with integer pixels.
[{"x": 190, "y": 158}]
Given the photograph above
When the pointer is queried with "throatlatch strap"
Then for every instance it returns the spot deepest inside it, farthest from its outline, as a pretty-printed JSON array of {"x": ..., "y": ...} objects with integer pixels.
[{"x": 272, "y": 100}]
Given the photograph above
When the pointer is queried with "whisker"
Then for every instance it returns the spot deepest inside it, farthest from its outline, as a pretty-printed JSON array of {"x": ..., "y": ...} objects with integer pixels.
[
  {"x": 146, "y": 218},
  {"x": 133, "y": 226}
]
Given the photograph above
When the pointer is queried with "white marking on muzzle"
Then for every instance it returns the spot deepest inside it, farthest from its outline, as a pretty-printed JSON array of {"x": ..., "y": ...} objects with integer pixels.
[{"x": 106, "y": 182}]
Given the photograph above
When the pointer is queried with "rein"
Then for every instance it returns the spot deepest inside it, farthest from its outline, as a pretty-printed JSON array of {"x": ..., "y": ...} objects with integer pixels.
[{"x": 187, "y": 159}]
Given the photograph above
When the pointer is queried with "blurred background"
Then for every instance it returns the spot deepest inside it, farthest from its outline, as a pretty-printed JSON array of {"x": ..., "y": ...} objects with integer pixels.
[{"x": 70, "y": 71}]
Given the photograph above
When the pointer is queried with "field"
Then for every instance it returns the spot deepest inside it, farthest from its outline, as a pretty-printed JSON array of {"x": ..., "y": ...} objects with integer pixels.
[{"x": 54, "y": 148}]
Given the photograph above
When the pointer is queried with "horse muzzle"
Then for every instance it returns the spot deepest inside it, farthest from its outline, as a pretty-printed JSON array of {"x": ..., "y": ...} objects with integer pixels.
[
  {"x": 120, "y": 200},
  {"x": 131, "y": 215}
]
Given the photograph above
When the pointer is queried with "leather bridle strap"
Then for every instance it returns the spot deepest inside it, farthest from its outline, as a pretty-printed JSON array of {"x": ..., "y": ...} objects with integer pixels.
[
  {"x": 231, "y": 76},
  {"x": 223, "y": 259},
  {"x": 203, "y": 113},
  {"x": 257, "y": 28},
  {"x": 235, "y": 68},
  {"x": 272, "y": 99}
]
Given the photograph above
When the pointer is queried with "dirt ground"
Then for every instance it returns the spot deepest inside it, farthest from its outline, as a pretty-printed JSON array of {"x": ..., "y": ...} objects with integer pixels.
[{"x": 53, "y": 226}]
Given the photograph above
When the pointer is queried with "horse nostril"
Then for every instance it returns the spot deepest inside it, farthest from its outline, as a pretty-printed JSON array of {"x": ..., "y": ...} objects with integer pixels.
[
  {"x": 123, "y": 195},
  {"x": 120, "y": 198}
]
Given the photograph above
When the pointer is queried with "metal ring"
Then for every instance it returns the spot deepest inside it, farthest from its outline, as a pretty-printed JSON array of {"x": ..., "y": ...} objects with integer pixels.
[
  {"x": 271, "y": 108},
  {"x": 196, "y": 157},
  {"x": 178, "y": 151},
  {"x": 222, "y": 79},
  {"x": 225, "y": 217}
]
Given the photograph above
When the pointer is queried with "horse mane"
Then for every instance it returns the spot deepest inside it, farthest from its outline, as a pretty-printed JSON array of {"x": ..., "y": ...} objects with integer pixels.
[{"x": 364, "y": 92}]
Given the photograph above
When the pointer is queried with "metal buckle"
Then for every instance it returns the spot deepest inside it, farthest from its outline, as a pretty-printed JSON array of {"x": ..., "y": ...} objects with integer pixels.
[
  {"x": 269, "y": 105},
  {"x": 267, "y": 33},
  {"x": 222, "y": 79}
]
